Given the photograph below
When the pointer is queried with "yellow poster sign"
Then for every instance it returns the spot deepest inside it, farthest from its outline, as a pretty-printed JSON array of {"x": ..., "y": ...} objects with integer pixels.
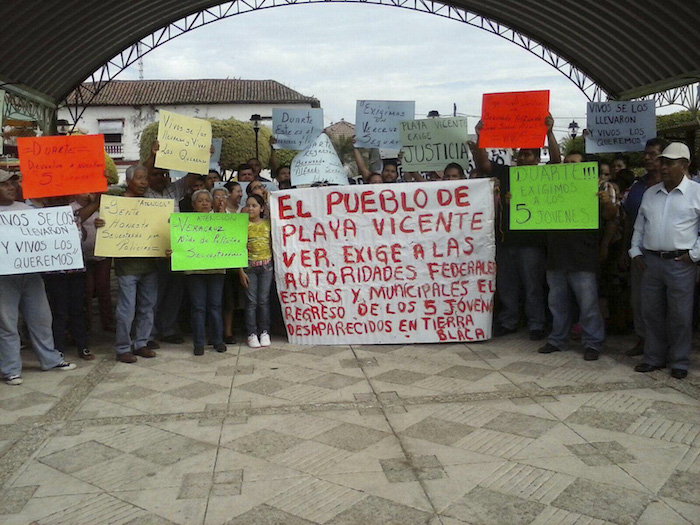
[
  {"x": 185, "y": 143},
  {"x": 134, "y": 227}
]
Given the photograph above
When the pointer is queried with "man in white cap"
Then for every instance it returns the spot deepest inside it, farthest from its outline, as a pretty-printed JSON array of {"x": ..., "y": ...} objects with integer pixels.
[
  {"x": 23, "y": 293},
  {"x": 665, "y": 247}
]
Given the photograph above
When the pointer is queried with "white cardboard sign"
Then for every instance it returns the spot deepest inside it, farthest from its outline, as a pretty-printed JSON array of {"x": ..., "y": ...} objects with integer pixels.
[
  {"x": 619, "y": 126},
  {"x": 372, "y": 264},
  {"x": 296, "y": 129},
  {"x": 377, "y": 122},
  {"x": 318, "y": 163},
  {"x": 43, "y": 240}
]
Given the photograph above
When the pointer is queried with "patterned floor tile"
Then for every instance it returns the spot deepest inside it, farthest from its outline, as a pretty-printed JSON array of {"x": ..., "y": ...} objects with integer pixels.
[
  {"x": 263, "y": 443},
  {"x": 416, "y": 468},
  {"x": 28, "y": 400},
  {"x": 487, "y": 507},
  {"x": 265, "y": 386},
  {"x": 521, "y": 425},
  {"x": 316, "y": 500},
  {"x": 400, "y": 377},
  {"x": 334, "y": 381},
  {"x": 79, "y": 457},
  {"x": 601, "y": 453},
  {"x": 438, "y": 431},
  {"x": 378, "y": 510},
  {"x": 608, "y": 420},
  {"x": 351, "y": 437},
  {"x": 266, "y": 515},
  {"x": 12, "y": 501},
  {"x": 684, "y": 486},
  {"x": 608, "y": 502},
  {"x": 171, "y": 450}
]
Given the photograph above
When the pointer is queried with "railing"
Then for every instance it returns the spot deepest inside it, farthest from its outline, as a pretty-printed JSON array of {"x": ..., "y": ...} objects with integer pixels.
[{"x": 114, "y": 149}]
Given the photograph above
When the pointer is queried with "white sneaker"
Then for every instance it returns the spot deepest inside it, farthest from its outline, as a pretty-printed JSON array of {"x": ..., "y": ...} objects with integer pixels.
[
  {"x": 64, "y": 366},
  {"x": 14, "y": 380},
  {"x": 253, "y": 341},
  {"x": 264, "y": 339}
]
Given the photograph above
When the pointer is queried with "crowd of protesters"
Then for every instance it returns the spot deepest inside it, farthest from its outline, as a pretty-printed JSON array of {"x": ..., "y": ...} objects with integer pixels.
[{"x": 638, "y": 270}]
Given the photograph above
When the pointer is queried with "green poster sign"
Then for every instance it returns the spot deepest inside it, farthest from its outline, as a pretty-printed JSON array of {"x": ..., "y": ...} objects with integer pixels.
[
  {"x": 433, "y": 143},
  {"x": 209, "y": 241},
  {"x": 554, "y": 197}
]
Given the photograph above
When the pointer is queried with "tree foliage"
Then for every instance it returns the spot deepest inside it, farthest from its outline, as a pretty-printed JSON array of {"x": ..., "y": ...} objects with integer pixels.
[
  {"x": 111, "y": 170},
  {"x": 238, "y": 142},
  {"x": 674, "y": 119}
]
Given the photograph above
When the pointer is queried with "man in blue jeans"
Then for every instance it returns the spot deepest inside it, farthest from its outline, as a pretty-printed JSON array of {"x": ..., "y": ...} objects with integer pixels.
[
  {"x": 137, "y": 278},
  {"x": 23, "y": 293},
  {"x": 520, "y": 255},
  {"x": 572, "y": 265}
]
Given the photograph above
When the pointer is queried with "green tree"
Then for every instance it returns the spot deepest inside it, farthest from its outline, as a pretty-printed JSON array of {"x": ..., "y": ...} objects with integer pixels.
[
  {"x": 238, "y": 142},
  {"x": 111, "y": 169}
]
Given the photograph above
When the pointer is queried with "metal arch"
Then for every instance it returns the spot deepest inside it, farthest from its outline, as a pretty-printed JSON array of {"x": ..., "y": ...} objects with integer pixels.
[
  {"x": 686, "y": 96},
  {"x": 20, "y": 102},
  {"x": 100, "y": 78}
]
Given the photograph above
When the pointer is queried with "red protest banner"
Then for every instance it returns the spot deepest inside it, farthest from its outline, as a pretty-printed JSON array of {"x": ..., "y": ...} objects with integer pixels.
[
  {"x": 62, "y": 165},
  {"x": 514, "y": 120}
]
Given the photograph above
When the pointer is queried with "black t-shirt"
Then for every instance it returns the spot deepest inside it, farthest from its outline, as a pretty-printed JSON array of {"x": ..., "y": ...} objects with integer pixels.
[
  {"x": 573, "y": 250},
  {"x": 520, "y": 237}
]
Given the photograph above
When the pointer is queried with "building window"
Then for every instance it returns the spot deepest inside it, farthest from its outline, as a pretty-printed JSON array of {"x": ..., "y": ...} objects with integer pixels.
[{"x": 113, "y": 130}]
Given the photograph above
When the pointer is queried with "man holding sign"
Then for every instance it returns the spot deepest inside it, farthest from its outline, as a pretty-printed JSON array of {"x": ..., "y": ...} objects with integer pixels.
[
  {"x": 137, "y": 279},
  {"x": 23, "y": 293},
  {"x": 520, "y": 255},
  {"x": 572, "y": 262},
  {"x": 170, "y": 284}
]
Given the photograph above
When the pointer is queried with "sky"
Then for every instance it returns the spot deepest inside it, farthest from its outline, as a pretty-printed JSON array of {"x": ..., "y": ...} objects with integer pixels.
[{"x": 340, "y": 53}]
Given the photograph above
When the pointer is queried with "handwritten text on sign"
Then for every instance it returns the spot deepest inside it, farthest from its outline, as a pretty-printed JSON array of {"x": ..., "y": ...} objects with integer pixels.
[
  {"x": 413, "y": 263},
  {"x": 62, "y": 165},
  {"x": 318, "y": 163},
  {"x": 296, "y": 129},
  {"x": 185, "y": 143},
  {"x": 554, "y": 197},
  {"x": 133, "y": 227},
  {"x": 433, "y": 143},
  {"x": 377, "y": 122},
  {"x": 44, "y": 240},
  {"x": 514, "y": 120},
  {"x": 209, "y": 241},
  {"x": 619, "y": 126}
]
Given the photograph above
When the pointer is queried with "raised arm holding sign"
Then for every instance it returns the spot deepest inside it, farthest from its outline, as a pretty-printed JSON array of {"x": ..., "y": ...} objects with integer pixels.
[
  {"x": 431, "y": 144},
  {"x": 63, "y": 165},
  {"x": 377, "y": 122},
  {"x": 514, "y": 120},
  {"x": 296, "y": 129},
  {"x": 185, "y": 143}
]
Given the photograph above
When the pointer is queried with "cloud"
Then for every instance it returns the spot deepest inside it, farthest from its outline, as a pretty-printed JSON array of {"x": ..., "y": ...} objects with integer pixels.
[{"x": 340, "y": 53}]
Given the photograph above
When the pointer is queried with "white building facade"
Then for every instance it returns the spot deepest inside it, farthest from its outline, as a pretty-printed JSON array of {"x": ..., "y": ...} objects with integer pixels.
[{"x": 123, "y": 109}]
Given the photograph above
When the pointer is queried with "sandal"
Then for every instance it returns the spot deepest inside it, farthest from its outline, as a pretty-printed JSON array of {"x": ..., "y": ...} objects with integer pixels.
[{"x": 86, "y": 354}]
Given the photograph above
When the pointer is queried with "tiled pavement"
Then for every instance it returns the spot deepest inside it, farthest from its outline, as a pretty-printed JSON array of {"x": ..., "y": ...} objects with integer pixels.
[{"x": 480, "y": 434}]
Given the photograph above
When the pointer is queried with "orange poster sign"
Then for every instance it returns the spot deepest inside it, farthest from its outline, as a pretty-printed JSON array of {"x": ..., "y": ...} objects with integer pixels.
[
  {"x": 514, "y": 120},
  {"x": 62, "y": 165}
]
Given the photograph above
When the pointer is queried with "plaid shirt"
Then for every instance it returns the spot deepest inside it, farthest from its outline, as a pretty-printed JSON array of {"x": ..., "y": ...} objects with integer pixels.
[{"x": 175, "y": 191}]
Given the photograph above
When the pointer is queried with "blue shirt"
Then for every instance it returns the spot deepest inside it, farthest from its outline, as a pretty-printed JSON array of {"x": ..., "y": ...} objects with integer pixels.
[{"x": 633, "y": 200}]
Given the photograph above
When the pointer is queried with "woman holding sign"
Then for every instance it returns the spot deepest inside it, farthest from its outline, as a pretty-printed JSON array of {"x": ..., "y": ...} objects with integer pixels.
[
  {"x": 206, "y": 288},
  {"x": 257, "y": 278}
]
